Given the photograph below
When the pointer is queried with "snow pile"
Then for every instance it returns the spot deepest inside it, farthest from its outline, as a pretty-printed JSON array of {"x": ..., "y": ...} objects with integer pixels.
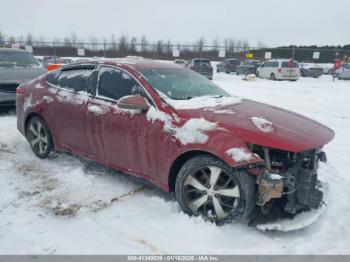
[
  {"x": 27, "y": 102},
  {"x": 250, "y": 77},
  {"x": 193, "y": 131},
  {"x": 239, "y": 154},
  {"x": 203, "y": 101},
  {"x": 97, "y": 110},
  {"x": 262, "y": 124},
  {"x": 48, "y": 99},
  {"x": 153, "y": 114}
]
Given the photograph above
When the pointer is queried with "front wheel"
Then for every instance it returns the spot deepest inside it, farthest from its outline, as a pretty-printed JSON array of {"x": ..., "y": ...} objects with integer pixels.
[
  {"x": 39, "y": 137},
  {"x": 207, "y": 187}
]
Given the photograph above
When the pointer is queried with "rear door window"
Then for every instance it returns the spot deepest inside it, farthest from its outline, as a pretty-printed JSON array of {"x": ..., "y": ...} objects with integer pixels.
[
  {"x": 115, "y": 83},
  {"x": 75, "y": 80}
]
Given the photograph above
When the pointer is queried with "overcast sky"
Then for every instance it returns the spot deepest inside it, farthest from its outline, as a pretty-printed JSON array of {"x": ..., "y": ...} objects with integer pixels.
[{"x": 274, "y": 22}]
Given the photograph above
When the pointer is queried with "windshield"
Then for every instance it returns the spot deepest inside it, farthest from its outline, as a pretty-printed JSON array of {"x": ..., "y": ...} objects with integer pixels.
[
  {"x": 17, "y": 59},
  {"x": 181, "y": 84}
]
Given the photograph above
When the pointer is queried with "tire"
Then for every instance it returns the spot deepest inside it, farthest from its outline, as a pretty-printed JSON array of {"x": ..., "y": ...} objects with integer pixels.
[
  {"x": 39, "y": 137},
  {"x": 198, "y": 195},
  {"x": 273, "y": 77}
]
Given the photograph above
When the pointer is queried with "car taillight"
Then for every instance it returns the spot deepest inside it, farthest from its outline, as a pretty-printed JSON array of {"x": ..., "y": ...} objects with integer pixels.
[
  {"x": 19, "y": 90},
  {"x": 279, "y": 70}
]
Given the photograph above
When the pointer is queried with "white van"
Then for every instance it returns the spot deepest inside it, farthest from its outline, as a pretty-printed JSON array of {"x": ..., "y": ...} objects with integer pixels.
[{"x": 279, "y": 69}]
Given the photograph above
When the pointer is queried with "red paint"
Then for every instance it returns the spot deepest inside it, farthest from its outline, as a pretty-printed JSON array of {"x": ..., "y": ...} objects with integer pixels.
[{"x": 131, "y": 143}]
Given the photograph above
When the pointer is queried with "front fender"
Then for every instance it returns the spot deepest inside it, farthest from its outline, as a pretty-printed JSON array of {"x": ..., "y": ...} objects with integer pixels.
[{"x": 219, "y": 143}]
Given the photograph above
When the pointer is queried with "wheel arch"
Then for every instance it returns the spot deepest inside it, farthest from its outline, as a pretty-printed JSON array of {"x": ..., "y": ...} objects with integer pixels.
[{"x": 180, "y": 161}]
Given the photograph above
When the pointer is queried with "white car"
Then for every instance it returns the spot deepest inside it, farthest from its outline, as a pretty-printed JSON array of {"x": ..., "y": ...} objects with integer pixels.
[
  {"x": 279, "y": 69},
  {"x": 343, "y": 72}
]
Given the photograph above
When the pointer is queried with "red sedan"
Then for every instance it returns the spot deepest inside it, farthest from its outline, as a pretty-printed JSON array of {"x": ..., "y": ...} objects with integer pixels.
[{"x": 222, "y": 156}]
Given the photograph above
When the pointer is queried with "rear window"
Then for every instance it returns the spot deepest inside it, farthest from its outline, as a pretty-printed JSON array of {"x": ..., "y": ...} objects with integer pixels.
[
  {"x": 13, "y": 59},
  {"x": 201, "y": 61},
  {"x": 286, "y": 64},
  {"x": 234, "y": 62}
]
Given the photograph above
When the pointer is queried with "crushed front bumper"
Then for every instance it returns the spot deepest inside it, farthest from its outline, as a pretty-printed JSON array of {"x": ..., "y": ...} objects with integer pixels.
[{"x": 299, "y": 221}]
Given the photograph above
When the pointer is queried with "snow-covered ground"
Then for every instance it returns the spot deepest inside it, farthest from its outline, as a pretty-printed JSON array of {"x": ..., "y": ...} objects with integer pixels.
[{"x": 65, "y": 205}]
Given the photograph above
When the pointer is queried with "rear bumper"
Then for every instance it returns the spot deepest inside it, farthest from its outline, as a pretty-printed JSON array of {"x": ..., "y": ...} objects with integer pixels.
[{"x": 282, "y": 77}]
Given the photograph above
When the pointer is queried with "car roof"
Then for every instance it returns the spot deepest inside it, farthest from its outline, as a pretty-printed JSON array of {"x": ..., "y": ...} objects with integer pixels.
[
  {"x": 2, "y": 49},
  {"x": 134, "y": 63}
]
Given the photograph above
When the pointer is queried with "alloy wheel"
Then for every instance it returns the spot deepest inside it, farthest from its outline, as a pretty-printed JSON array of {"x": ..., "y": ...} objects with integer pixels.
[
  {"x": 38, "y": 137},
  {"x": 212, "y": 193}
]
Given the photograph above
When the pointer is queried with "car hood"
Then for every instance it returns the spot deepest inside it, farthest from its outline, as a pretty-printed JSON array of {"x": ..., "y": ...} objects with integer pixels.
[
  {"x": 266, "y": 125},
  {"x": 20, "y": 74}
]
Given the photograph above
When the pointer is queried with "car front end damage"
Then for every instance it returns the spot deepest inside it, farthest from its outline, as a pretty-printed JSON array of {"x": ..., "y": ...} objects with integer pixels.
[{"x": 287, "y": 182}]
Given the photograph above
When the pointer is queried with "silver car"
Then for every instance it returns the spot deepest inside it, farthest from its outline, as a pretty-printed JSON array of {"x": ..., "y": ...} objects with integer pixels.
[
  {"x": 16, "y": 66},
  {"x": 343, "y": 72}
]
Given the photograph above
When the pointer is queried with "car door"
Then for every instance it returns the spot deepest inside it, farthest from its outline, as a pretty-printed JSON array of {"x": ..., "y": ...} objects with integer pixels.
[
  {"x": 67, "y": 112},
  {"x": 117, "y": 134}
]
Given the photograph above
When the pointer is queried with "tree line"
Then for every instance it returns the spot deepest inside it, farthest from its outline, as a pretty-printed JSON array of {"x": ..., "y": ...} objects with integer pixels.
[{"x": 123, "y": 45}]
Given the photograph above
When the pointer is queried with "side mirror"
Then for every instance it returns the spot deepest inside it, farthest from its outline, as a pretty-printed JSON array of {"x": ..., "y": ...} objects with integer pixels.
[{"x": 135, "y": 102}]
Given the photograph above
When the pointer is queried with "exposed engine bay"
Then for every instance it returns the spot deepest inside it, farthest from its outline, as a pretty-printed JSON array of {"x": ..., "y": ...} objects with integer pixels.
[{"x": 288, "y": 181}]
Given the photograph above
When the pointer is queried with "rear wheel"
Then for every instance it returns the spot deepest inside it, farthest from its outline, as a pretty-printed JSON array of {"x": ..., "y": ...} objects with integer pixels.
[
  {"x": 39, "y": 137},
  {"x": 207, "y": 187}
]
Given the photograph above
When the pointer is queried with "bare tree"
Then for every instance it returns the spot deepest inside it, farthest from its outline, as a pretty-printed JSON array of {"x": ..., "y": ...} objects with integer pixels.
[
  {"x": 67, "y": 42},
  {"x": 29, "y": 39},
  {"x": 246, "y": 46},
  {"x": 216, "y": 44},
  {"x": 133, "y": 42},
  {"x": 74, "y": 39},
  {"x": 239, "y": 45},
  {"x": 261, "y": 45},
  {"x": 113, "y": 42},
  {"x": 12, "y": 40},
  {"x": 144, "y": 44},
  {"x": 168, "y": 47},
  {"x": 123, "y": 44},
  {"x": 93, "y": 43},
  {"x": 160, "y": 47},
  {"x": 2, "y": 37},
  {"x": 200, "y": 44},
  {"x": 231, "y": 45}
]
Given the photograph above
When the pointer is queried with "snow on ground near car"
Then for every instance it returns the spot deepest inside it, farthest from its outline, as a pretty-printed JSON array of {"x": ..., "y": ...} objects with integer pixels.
[{"x": 65, "y": 205}]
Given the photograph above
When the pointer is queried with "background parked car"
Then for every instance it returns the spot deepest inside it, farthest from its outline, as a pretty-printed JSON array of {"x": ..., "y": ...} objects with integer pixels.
[
  {"x": 57, "y": 60},
  {"x": 310, "y": 70},
  {"x": 248, "y": 67},
  {"x": 16, "y": 67},
  {"x": 181, "y": 62},
  {"x": 279, "y": 69},
  {"x": 343, "y": 72},
  {"x": 202, "y": 66},
  {"x": 228, "y": 65}
]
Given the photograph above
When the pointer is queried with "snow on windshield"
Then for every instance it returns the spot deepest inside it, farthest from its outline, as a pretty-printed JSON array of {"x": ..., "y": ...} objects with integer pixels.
[{"x": 204, "y": 102}]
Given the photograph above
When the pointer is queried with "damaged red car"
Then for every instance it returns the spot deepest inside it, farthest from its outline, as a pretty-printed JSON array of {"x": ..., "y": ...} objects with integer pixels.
[{"x": 223, "y": 157}]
